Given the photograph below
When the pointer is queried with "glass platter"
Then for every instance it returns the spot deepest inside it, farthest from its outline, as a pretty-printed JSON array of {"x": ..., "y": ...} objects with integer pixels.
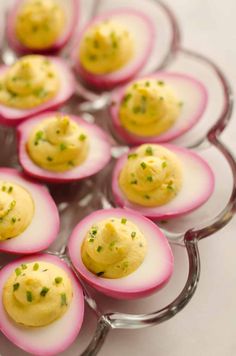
[{"x": 76, "y": 200}]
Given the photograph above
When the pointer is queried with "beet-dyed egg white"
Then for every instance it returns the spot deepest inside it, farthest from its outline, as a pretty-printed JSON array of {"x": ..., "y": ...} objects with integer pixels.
[
  {"x": 59, "y": 148},
  {"x": 162, "y": 181},
  {"x": 158, "y": 108},
  {"x": 41, "y": 26},
  {"x": 33, "y": 85},
  {"x": 121, "y": 253},
  {"x": 53, "y": 306},
  {"x": 114, "y": 47},
  {"x": 29, "y": 219}
]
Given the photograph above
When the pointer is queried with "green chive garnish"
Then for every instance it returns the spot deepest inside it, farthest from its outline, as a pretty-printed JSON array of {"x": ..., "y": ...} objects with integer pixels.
[
  {"x": 4, "y": 188},
  {"x": 23, "y": 266},
  {"x": 146, "y": 196},
  {"x": 16, "y": 286},
  {"x": 29, "y": 296},
  {"x": 132, "y": 155},
  {"x": 18, "y": 271},
  {"x": 44, "y": 291},
  {"x": 164, "y": 164},
  {"x": 100, "y": 273},
  {"x": 10, "y": 189},
  {"x": 149, "y": 179},
  {"x": 160, "y": 82},
  {"x": 13, "y": 219},
  {"x": 35, "y": 266},
  {"x": 123, "y": 221},
  {"x": 58, "y": 280},
  {"x": 63, "y": 146},
  {"x": 149, "y": 151},
  {"x": 82, "y": 137},
  {"x": 133, "y": 234},
  {"x": 99, "y": 248},
  {"x": 63, "y": 299},
  {"x": 134, "y": 181},
  {"x": 49, "y": 159},
  {"x": 143, "y": 165}
]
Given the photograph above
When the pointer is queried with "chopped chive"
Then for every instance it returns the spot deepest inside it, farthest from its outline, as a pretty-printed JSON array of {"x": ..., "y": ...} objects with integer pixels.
[
  {"x": 147, "y": 84},
  {"x": 39, "y": 135},
  {"x": 136, "y": 109},
  {"x": 63, "y": 299},
  {"x": 123, "y": 221},
  {"x": 35, "y": 266},
  {"x": 18, "y": 271},
  {"x": 99, "y": 249},
  {"x": 169, "y": 187},
  {"x": 143, "y": 165},
  {"x": 10, "y": 189},
  {"x": 100, "y": 273},
  {"x": 91, "y": 240},
  {"x": 71, "y": 163},
  {"x": 127, "y": 97},
  {"x": 58, "y": 131},
  {"x": 160, "y": 82},
  {"x": 49, "y": 159},
  {"x": 146, "y": 196},
  {"x": 149, "y": 151},
  {"x": 125, "y": 265},
  {"x": 23, "y": 266},
  {"x": 149, "y": 179},
  {"x": 16, "y": 286},
  {"x": 58, "y": 280},
  {"x": 13, "y": 203},
  {"x": 82, "y": 137},
  {"x": 132, "y": 155},
  {"x": 140, "y": 245},
  {"x": 161, "y": 98},
  {"x": 94, "y": 231},
  {"x": 29, "y": 296},
  {"x": 45, "y": 270},
  {"x": 63, "y": 146},
  {"x": 4, "y": 188},
  {"x": 134, "y": 181},
  {"x": 13, "y": 220},
  {"x": 164, "y": 164},
  {"x": 44, "y": 291},
  {"x": 111, "y": 245},
  {"x": 133, "y": 234}
]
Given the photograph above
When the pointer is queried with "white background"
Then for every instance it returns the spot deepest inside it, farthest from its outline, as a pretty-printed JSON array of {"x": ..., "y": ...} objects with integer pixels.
[{"x": 207, "y": 326}]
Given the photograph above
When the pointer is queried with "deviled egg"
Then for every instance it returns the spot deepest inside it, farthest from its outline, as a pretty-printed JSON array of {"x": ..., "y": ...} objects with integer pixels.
[
  {"x": 113, "y": 47},
  {"x": 33, "y": 84},
  {"x": 157, "y": 108},
  {"x": 29, "y": 220},
  {"x": 121, "y": 253},
  {"x": 41, "y": 25},
  {"x": 57, "y": 147},
  {"x": 162, "y": 181},
  {"x": 41, "y": 305}
]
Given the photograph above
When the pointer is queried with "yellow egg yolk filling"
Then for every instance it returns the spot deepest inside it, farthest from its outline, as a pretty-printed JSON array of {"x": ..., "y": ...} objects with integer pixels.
[
  {"x": 151, "y": 176},
  {"x": 58, "y": 144},
  {"x": 106, "y": 47},
  {"x": 31, "y": 81},
  {"x": 149, "y": 107},
  {"x": 37, "y": 293},
  {"x": 39, "y": 23},
  {"x": 113, "y": 248},
  {"x": 16, "y": 210}
]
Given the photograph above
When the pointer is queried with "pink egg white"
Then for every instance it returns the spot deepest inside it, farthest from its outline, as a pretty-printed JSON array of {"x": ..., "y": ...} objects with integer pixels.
[
  {"x": 143, "y": 31},
  {"x": 71, "y": 11},
  {"x": 44, "y": 226},
  {"x": 98, "y": 156},
  {"x": 193, "y": 102},
  {"x": 152, "y": 274},
  {"x": 197, "y": 186},
  {"x": 12, "y": 117},
  {"x": 51, "y": 339}
]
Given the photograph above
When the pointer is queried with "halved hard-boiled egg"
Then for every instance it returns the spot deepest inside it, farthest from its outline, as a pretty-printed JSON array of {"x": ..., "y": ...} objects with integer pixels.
[
  {"x": 41, "y": 25},
  {"x": 41, "y": 305},
  {"x": 162, "y": 181},
  {"x": 29, "y": 220},
  {"x": 157, "y": 108},
  {"x": 33, "y": 84},
  {"x": 113, "y": 47},
  {"x": 121, "y": 253},
  {"x": 57, "y": 147}
]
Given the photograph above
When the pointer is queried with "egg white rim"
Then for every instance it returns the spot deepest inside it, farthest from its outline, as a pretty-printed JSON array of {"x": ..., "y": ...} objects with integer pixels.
[
  {"x": 73, "y": 317},
  {"x": 188, "y": 159},
  {"x": 38, "y": 235},
  {"x": 184, "y": 123},
  {"x": 98, "y": 156},
  {"x": 12, "y": 117},
  {"x": 129, "y": 286}
]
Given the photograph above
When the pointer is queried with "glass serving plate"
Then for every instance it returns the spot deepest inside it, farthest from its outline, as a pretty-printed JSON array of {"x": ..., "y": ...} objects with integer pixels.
[{"x": 78, "y": 199}]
